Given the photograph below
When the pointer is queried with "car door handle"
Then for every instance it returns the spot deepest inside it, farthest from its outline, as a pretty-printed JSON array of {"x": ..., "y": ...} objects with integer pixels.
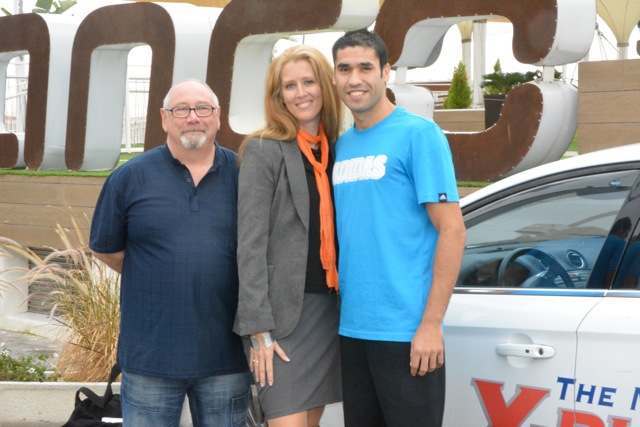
[{"x": 534, "y": 351}]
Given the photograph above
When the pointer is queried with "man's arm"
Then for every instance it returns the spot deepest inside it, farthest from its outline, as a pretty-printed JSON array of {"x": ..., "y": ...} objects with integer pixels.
[
  {"x": 427, "y": 346},
  {"x": 113, "y": 260}
]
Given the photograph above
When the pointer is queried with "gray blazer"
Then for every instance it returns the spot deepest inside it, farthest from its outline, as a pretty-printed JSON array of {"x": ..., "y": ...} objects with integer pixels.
[{"x": 273, "y": 237}]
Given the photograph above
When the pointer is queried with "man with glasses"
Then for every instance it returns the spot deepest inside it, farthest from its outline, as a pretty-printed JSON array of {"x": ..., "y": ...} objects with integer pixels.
[{"x": 166, "y": 220}]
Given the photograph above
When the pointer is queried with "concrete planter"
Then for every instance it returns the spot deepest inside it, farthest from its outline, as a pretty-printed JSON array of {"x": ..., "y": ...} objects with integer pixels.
[
  {"x": 492, "y": 109},
  {"x": 50, "y": 404},
  {"x": 41, "y": 404}
]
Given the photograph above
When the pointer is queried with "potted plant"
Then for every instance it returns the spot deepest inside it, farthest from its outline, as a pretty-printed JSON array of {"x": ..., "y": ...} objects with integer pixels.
[{"x": 496, "y": 85}]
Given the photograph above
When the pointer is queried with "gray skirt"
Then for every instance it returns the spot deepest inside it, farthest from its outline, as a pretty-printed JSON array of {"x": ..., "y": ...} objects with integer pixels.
[{"x": 312, "y": 377}]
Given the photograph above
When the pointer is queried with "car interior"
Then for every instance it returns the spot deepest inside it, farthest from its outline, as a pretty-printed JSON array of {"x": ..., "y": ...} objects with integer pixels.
[{"x": 550, "y": 235}]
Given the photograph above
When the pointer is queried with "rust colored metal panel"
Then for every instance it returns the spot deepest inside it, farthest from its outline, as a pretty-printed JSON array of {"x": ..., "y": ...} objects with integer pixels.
[
  {"x": 9, "y": 151},
  {"x": 243, "y": 18},
  {"x": 144, "y": 23},
  {"x": 28, "y": 32},
  {"x": 534, "y": 22},
  {"x": 204, "y": 3},
  {"x": 489, "y": 155}
]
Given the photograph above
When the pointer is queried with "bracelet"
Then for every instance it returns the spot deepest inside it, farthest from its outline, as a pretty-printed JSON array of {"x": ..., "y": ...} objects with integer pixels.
[{"x": 267, "y": 340}]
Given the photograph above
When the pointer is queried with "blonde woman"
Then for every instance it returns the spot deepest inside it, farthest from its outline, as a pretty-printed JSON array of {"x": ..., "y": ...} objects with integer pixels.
[{"x": 288, "y": 302}]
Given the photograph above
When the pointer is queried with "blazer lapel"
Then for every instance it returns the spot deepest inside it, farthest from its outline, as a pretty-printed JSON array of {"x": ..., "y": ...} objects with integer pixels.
[{"x": 297, "y": 179}]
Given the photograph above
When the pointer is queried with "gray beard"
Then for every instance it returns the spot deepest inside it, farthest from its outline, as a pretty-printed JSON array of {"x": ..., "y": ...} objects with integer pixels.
[{"x": 193, "y": 142}]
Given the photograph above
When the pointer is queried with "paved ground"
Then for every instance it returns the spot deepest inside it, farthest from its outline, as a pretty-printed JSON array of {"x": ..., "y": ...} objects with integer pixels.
[{"x": 22, "y": 345}]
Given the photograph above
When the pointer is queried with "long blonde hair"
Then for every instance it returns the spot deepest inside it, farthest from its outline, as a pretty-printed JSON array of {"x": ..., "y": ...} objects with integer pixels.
[{"x": 281, "y": 125}]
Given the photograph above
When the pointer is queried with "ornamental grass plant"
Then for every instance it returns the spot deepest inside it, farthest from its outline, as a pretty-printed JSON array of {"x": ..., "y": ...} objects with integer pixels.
[{"x": 85, "y": 297}]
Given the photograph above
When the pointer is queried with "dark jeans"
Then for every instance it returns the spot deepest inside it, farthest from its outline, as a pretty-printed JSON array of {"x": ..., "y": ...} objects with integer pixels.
[{"x": 379, "y": 391}]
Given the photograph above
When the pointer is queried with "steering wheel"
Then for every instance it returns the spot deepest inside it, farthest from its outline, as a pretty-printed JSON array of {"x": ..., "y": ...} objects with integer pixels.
[{"x": 542, "y": 268}]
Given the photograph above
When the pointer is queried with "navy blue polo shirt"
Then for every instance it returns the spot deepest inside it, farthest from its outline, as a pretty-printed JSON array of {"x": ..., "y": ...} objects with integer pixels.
[{"x": 179, "y": 283}]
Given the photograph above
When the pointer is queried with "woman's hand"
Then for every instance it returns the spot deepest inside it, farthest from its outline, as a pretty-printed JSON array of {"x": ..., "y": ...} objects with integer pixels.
[{"x": 262, "y": 358}]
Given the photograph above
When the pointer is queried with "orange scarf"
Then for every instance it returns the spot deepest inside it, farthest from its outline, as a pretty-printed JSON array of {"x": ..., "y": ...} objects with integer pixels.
[{"x": 327, "y": 227}]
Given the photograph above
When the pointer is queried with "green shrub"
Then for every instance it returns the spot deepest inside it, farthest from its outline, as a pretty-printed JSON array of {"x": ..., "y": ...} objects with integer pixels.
[
  {"x": 459, "y": 95},
  {"x": 25, "y": 368}
]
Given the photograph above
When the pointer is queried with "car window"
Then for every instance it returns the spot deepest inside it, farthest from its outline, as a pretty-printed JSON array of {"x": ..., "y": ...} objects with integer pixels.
[
  {"x": 628, "y": 276},
  {"x": 544, "y": 237}
]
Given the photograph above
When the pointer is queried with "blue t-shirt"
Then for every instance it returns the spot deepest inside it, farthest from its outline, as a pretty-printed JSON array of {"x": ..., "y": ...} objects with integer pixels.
[
  {"x": 179, "y": 284},
  {"x": 382, "y": 178}
]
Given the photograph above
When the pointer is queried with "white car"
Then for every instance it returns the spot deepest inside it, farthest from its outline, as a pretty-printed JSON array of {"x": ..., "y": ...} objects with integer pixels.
[{"x": 543, "y": 328}]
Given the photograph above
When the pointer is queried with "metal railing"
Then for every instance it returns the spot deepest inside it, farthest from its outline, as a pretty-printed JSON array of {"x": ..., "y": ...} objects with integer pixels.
[{"x": 134, "y": 120}]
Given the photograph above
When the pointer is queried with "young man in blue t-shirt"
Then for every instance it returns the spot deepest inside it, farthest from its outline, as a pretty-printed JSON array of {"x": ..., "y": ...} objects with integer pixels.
[{"x": 401, "y": 237}]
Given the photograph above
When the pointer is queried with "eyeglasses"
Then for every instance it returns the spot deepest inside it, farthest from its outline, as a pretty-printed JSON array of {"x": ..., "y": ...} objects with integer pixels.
[{"x": 182, "y": 111}]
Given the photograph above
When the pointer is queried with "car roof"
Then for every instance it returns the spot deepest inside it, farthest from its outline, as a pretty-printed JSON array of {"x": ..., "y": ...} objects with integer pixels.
[{"x": 622, "y": 154}]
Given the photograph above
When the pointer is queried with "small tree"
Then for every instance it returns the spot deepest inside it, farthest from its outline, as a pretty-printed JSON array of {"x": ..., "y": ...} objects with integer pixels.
[{"x": 459, "y": 95}]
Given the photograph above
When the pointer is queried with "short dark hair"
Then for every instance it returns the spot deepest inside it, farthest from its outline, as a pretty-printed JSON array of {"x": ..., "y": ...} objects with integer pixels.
[{"x": 362, "y": 38}]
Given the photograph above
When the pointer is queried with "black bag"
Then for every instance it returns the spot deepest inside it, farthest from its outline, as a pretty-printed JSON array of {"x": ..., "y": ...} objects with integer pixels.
[{"x": 90, "y": 411}]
